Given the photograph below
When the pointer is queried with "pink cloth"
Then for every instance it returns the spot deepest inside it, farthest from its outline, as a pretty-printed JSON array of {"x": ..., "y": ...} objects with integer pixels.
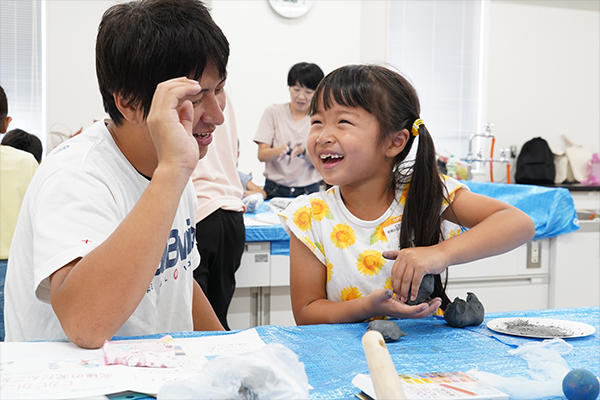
[{"x": 216, "y": 178}]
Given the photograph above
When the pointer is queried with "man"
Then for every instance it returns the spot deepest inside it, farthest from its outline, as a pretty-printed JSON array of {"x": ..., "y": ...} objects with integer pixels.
[
  {"x": 220, "y": 231},
  {"x": 105, "y": 242}
]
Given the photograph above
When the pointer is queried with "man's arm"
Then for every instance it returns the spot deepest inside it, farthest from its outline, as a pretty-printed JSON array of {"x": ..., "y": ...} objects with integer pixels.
[
  {"x": 204, "y": 316},
  {"x": 93, "y": 296}
]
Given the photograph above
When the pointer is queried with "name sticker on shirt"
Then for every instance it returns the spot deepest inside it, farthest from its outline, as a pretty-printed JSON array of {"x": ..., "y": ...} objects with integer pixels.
[{"x": 392, "y": 232}]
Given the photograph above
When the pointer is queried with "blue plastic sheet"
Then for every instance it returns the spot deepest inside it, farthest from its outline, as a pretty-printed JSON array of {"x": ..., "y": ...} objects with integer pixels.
[
  {"x": 333, "y": 354},
  {"x": 551, "y": 209}
]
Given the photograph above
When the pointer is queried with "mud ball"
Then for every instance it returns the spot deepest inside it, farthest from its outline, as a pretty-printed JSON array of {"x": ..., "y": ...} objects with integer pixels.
[
  {"x": 580, "y": 384},
  {"x": 461, "y": 313},
  {"x": 388, "y": 329},
  {"x": 425, "y": 290}
]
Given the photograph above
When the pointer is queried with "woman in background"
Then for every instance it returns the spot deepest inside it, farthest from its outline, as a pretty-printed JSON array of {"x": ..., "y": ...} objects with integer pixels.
[{"x": 282, "y": 134}]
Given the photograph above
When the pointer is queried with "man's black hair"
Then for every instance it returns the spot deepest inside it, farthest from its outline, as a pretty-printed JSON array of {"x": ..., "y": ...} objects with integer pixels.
[
  {"x": 143, "y": 43},
  {"x": 306, "y": 74}
]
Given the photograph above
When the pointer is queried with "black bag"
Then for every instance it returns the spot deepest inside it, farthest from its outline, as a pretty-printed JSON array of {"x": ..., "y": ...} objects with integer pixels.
[{"x": 535, "y": 163}]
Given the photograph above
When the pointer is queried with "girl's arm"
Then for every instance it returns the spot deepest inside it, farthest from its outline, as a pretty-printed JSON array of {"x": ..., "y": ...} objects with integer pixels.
[
  {"x": 308, "y": 278},
  {"x": 495, "y": 228}
]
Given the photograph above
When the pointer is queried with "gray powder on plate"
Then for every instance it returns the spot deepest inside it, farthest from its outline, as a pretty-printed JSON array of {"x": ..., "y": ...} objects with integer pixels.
[{"x": 526, "y": 328}]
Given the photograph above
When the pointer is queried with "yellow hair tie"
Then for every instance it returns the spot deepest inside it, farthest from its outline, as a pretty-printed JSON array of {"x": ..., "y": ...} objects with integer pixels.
[{"x": 415, "y": 127}]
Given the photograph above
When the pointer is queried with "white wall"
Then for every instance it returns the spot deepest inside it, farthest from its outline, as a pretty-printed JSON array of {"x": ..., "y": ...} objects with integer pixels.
[
  {"x": 265, "y": 45},
  {"x": 543, "y": 62},
  {"x": 543, "y": 72},
  {"x": 72, "y": 96},
  {"x": 263, "y": 48}
]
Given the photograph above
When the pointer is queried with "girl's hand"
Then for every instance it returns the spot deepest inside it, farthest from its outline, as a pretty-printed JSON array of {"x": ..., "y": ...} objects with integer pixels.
[
  {"x": 410, "y": 267},
  {"x": 170, "y": 122},
  {"x": 383, "y": 302}
]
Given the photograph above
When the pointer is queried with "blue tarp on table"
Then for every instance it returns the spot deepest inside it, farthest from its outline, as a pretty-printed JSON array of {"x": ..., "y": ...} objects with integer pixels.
[
  {"x": 551, "y": 209},
  {"x": 333, "y": 354}
]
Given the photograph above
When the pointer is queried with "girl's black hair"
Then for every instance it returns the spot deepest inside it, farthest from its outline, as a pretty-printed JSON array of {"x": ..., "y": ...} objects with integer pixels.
[
  {"x": 394, "y": 102},
  {"x": 306, "y": 74},
  {"x": 143, "y": 43}
]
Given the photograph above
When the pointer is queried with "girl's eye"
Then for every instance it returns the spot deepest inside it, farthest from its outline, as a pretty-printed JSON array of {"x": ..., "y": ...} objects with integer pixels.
[
  {"x": 315, "y": 122},
  {"x": 345, "y": 121}
]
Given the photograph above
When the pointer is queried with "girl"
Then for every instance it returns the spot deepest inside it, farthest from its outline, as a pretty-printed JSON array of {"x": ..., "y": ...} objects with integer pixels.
[{"x": 361, "y": 249}]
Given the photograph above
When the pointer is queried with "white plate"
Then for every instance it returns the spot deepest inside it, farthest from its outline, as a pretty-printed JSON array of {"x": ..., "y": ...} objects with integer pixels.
[{"x": 543, "y": 328}]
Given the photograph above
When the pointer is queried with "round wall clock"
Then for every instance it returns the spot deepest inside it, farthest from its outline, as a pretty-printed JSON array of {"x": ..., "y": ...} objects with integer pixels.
[{"x": 290, "y": 8}]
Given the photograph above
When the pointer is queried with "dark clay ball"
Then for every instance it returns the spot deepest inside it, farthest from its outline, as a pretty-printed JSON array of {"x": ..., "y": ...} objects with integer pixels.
[
  {"x": 388, "y": 329},
  {"x": 425, "y": 290},
  {"x": 462, "y": 313}
]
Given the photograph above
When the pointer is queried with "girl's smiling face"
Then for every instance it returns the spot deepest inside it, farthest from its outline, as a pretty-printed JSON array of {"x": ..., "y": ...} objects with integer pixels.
[{"x": 345, "y": 145}]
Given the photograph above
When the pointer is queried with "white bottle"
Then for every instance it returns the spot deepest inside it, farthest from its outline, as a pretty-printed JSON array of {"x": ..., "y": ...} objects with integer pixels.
[{"x": 451, "y": 167}]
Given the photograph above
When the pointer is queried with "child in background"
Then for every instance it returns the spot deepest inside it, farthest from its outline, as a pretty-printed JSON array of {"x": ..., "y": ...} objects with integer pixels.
[
  {"x": 19, "y": 139},
  {"x": 361, "y": 249},
  {"x": 250, "y": 187}
]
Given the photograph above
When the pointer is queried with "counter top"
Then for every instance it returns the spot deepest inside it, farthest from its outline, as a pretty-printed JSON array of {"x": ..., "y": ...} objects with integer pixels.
[{"x": 576, "y": 187}]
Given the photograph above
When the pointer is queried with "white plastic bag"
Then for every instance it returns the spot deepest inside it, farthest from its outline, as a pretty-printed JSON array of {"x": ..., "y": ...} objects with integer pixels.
[
  {"x": 252, "y": 202},
  {"x": 272, "y": 372},
  {"x": 547, "y": 370}
]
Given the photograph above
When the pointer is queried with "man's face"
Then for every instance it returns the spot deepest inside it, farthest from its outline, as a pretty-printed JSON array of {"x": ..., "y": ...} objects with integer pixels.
[{"x": 208, "y": 107}]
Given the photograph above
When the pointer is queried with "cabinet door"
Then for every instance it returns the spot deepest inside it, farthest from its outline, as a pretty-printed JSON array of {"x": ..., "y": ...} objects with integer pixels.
[
  {"x": 510, "y": 294},
  {"x": 575, "y": 268}
]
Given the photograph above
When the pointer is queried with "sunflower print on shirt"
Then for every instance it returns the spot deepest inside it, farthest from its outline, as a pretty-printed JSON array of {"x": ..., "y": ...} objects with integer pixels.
[
  {"x": 302, "y": 218},
  {"x": 379, "y": 234},
  {"x": 343, "y": 236},
  {"x": 329, "y": 270},
  {"x": 370, "y": 262},
  {"x": 350, "y": 293},
  {"x": 388, "y": 284},
  {"x": 309, "y": 243},
  {"x": 320, "y": 210}
]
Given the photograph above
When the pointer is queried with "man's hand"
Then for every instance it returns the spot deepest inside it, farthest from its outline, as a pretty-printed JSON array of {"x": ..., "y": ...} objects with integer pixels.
[{"x": 171, "y": 121}]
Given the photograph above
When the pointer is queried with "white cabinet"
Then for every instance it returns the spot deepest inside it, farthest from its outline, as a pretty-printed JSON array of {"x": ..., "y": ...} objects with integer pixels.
[
  {"x": 506, "y": 282},
  {"x": 575, "y": 267},
  {"x": 502, "y": 283}
]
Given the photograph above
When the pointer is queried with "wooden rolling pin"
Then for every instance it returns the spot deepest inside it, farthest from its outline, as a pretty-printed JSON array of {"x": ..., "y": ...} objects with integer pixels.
[{"x": 381, "y": 368}]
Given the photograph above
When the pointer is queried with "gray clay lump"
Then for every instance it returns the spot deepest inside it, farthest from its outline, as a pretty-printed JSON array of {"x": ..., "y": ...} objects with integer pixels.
[
  {"x": 462, "y": 313},
  {"x": 388, "y": 329},
  {"x": 425, "y": 290}
]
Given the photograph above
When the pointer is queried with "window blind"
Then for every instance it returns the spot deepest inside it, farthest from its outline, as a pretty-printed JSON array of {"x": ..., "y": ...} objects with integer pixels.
[
  {"x": 437, "y": 45},
  {"x": 21, "y": 70}
]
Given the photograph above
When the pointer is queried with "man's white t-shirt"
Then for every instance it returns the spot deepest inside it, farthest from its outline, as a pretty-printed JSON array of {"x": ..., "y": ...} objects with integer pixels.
[{"x": 82, "y": 191}]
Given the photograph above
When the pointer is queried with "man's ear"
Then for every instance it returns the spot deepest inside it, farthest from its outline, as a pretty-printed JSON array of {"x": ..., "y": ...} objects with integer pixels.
[
  {"x": 128, "y": 109},
  {"x": 4, "y": 124},
  {"x": 397, "y": 143}
]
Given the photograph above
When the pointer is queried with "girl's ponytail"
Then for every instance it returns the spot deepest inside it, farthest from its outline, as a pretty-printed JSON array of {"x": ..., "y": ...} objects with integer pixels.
[{"x": 421, "y": 220}]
